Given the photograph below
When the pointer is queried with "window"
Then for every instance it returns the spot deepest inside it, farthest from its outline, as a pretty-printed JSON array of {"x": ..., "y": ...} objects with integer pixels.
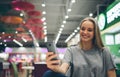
[
  {"x": 109, "y": 39},
  {"x": 117, "y": 38}
]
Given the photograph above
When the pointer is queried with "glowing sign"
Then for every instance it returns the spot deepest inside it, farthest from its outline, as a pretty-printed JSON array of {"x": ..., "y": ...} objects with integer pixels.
[
  {"x": 101, "y": 21},
  {"x": 113, "y": 13}
]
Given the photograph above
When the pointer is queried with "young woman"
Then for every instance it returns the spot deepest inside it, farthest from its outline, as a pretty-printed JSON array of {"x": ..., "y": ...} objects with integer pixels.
[{"x": 89, "y": 58}]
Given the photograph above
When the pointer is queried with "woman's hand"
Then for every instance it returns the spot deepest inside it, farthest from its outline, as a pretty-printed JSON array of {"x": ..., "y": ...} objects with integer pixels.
[{"x": 51, "y": 62}]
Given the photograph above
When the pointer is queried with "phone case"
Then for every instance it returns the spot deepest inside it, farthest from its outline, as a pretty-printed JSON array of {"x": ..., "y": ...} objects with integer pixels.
[{"x": 51, "y": 47}]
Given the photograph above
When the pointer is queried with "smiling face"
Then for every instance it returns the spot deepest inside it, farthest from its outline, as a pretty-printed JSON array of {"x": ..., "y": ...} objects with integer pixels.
[{"x": 87, "y": 31}]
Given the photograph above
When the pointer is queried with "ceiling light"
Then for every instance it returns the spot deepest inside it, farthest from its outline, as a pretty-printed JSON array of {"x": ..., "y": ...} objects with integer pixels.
[
  {"x": 69, "y": 10},
  {"x": 17, "y": 42},
  {"x": 43, "y": 19},
  {"x": 68, "y": 38},
  {"x": 78, "y": 28},
  {"x": 61, "y": 29},
  {"x": 9, "y": 36},
  {"x": 21, "y": 14},
  {"x": 24, "y": 39},
  {"x": 73, "y": 1},
  {"x": 3, "y": 32},
  {"x": 75, "y": 31},
  {"x": 5, "y": 45},
  {"x": 57, "y": 38},
  {"x": 45, "y": 39},
  {"x": 72, "y": 34},
  {"x": 44, "y": 23},
  {"x": 62, "y": 26},
  {"x": 16, "y": 32},
  {"x": 66, "y": 17},
  {"x": 43, "y": 12},
  {"x": 45, "y": 33},
  {"x": 37, "y": 44},
  {"x": 45, "y": 30},
  {"x": 59, "y": 32},
  {"x": 91, "y": 14},
  {"x": 64, "y": 22},
  {"x": 43, "y": 5},
  {"x": 44, "y": 27}
]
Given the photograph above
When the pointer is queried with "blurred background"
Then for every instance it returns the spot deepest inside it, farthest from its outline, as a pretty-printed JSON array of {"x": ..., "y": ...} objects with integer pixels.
[{"x": 26, "y": 25}]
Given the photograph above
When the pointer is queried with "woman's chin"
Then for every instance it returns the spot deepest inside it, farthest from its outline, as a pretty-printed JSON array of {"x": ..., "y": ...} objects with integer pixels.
[{"x": 85, "y": 40}]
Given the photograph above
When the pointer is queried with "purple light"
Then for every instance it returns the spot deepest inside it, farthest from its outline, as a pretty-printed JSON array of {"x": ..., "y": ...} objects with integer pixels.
[
  {"x": 8, "y": 50},
  {"x": 44, "y": 50},
  {"x": 61, "y": 50}
]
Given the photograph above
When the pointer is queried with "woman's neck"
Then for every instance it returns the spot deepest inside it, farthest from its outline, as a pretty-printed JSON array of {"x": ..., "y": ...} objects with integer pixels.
[{"x": 87, "y": 46}]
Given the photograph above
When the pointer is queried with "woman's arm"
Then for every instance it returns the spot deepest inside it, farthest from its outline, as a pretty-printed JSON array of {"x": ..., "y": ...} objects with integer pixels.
[
  {"x": 111, "y": 73},
  {"x": 55, "y": 64},
  {"x": 64, "y": 67}
]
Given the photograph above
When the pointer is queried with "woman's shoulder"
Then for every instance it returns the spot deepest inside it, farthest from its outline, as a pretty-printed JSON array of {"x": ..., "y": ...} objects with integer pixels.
[
  {"x": 73, "y": 46},
  {"x": 106, "y": 50}
]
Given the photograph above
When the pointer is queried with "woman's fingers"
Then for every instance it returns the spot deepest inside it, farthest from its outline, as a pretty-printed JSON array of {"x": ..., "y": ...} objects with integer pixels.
[
  {"x": 55, "y": 61},
  {"x": 50, "y": 56},
  {"x": 51, "y": 63}
]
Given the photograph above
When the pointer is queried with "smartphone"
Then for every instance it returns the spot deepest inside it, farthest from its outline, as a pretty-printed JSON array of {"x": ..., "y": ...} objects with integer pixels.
[{"x": 51, "y": 47}]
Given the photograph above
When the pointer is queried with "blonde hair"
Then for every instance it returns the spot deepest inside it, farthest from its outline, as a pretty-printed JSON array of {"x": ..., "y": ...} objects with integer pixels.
[{"x": 97, "y": 41}]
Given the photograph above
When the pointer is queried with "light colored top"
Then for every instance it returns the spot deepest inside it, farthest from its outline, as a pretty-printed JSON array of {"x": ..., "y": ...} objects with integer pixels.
[{"x": 95, "y": 64}]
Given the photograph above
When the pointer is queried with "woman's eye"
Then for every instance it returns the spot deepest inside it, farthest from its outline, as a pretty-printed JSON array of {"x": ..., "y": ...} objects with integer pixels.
[
  {"x": 82, "y": 28},
  {"x": 90, "y": 30}
]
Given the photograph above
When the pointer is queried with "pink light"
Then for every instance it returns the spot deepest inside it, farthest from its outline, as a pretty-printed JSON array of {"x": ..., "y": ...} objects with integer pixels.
[{"x": 17, "y": 9}]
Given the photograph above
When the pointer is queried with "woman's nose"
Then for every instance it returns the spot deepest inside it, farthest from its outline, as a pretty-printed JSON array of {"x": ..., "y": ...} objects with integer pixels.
[{"x": 85, "y": 31}]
